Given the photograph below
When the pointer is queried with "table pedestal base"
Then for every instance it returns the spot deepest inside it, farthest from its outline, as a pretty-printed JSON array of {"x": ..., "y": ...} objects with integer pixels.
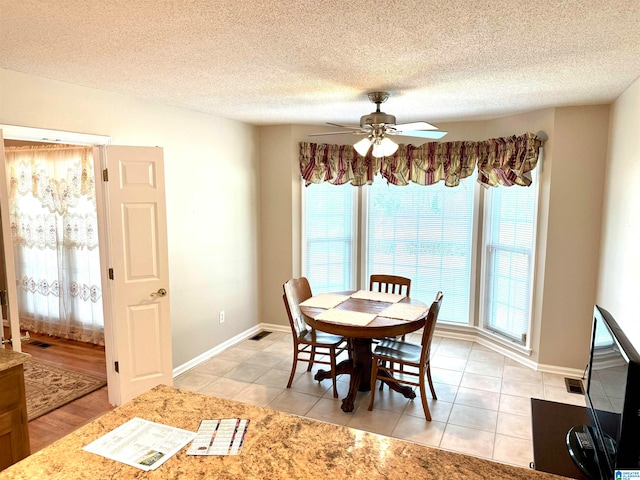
[{"x": 359, "y": 368}]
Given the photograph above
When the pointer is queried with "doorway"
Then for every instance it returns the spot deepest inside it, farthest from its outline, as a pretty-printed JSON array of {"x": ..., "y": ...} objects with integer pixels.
[
  {"x": 53, "y": 243},
  {"x": 134, "y": 265},
  {"x": 60, "y": 349}
]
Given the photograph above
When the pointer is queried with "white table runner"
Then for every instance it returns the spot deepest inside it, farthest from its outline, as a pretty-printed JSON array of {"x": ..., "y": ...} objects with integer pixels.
[
  {"x": 403, "y": 311},
  {"x": 325, "y": 300},
  {"x": 378, "y": 296},
  {"x": 346, "y": 317}
]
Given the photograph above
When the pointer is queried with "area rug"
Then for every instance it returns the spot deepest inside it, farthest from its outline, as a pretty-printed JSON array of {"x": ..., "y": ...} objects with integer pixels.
[{"x": 49, "y": 387}]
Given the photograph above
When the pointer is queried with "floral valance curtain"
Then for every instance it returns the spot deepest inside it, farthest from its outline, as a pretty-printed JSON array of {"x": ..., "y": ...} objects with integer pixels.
[{"x": 500, "y": 161}]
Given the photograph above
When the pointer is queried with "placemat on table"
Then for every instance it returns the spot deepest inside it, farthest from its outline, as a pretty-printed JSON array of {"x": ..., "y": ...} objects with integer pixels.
[
  {"x": 346, "y": 317},
  {"x": 403, "y": 311},
  {"x": 325, "y": 300},
  {"x": 378, "y": 296}
]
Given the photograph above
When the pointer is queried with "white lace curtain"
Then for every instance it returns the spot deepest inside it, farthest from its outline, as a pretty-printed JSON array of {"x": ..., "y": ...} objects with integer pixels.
[{"x": 54, "y": 230}]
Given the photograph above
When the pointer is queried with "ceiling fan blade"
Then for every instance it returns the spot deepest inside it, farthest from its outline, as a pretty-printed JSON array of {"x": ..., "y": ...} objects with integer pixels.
[
  {"x": 344, "y": 132},
  {"x": 354, "y": 127},
  {"x": 422, "y": 134},
  {"x": 415, "y": 126}
]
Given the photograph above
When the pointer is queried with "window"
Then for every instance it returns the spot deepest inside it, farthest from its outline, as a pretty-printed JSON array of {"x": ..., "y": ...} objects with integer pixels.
[
  {"x": 425, "y": 234},
  {"x": 329, "y": 237},
  {"x": 429, "y": 234},
  {"x": 510, "y": 215}
]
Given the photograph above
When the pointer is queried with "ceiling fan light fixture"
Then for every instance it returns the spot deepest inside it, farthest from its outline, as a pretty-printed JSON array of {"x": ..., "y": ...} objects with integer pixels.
[
  {"x": 377, "y": 151},
  {"x": 384, "y": 147},
  {"x": 389, "y": 147},
  {"x": 362, "y": 147}
]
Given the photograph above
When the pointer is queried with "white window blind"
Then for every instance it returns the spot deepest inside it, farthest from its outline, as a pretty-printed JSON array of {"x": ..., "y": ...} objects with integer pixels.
[
  {"x": 424, "y": 233},
  {"x": 329, "y": 216},
  {"x": 509, "y": 241}
]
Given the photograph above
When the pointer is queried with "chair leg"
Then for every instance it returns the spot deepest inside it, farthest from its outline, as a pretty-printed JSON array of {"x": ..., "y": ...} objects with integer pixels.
[
  {"x": 332, "y": 353},
  {"x": 293, "y": 367},
  {"x": 423, "y": 397},
  {"x": 311, "y": 358},
  {"x": 433, "y": 391},
  {"x": 374, "y": 375}
]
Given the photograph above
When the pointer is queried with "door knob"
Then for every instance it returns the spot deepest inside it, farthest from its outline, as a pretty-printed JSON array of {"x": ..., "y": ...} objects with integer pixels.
[{"x": 160, "y": 293}]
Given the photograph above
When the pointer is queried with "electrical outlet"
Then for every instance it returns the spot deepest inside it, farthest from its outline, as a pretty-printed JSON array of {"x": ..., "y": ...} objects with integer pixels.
[{"x": 222, "y": 316}]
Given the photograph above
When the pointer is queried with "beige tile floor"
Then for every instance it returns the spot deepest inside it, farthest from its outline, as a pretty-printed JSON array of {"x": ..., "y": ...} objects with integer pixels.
[{"x": 483, "y": 407}]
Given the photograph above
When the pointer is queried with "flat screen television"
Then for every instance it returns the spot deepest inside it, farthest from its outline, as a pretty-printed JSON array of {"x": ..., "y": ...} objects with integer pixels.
[{"x": 611, "y": 443}]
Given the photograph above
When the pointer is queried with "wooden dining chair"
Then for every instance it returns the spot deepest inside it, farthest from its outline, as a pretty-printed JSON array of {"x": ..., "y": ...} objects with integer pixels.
[
  {"x": 390, "y": 284},
  {"x": 309, "y": 343},
  {"x": 391, "y": 351}
]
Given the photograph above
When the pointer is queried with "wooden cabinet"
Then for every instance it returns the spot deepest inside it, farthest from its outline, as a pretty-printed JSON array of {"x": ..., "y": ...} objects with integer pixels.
[{"x": 14, "y": 430}]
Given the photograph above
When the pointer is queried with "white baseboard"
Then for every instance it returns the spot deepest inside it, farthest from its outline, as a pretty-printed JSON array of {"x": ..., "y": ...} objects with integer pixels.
[
  {"x": 519, "y": 356},
  {"x": 564, "y": 371},
  {"x": 444, "y": 333},
  {"x": 476, "y": 335},
  {"x": 229, "y": 343}
]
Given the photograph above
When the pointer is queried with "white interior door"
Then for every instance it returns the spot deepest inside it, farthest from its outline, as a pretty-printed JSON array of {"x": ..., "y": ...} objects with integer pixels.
[
  {"x": 11, "y": 309},
  {"x": 137, "y": 297}
]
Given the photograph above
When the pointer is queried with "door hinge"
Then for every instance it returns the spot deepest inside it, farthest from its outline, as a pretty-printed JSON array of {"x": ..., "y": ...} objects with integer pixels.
[
  {"x": 105, "y": 175},
  {"x": 3, "y": 297},
  {"x": 111, "y": 274},
  {"x": 117, "y": 367}
]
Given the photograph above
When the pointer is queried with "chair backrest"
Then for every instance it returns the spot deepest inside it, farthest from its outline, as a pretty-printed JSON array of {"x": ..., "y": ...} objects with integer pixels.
[
  {"x": 390, "y": 284},
  {"x": 296, "y": 290},
  {"x": 430, "y": 326}
]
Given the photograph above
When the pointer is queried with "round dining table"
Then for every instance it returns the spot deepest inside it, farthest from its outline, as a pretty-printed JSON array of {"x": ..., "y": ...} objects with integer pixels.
[{"x": 361, "y": 337}]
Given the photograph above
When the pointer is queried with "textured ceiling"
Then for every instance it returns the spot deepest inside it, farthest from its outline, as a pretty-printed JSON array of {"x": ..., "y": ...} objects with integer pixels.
[{"x": 309, "y": 62}]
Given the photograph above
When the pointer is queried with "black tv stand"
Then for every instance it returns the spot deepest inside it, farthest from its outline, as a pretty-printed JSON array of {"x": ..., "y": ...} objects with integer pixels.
[
  {"x": 550, "y": 423},
  {"x": 583, "y": 454}
]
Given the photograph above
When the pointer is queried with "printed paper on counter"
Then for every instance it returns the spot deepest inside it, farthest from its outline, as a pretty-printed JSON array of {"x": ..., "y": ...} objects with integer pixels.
[
  {"x": 140, "y": 443},
  {"x": 222, "y": 436}
]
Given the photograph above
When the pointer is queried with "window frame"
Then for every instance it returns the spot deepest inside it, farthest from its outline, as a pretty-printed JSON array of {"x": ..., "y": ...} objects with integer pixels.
[
  {"x": 473, "y": 280},
  {"x": 478, "y": 258},
  {"x": 355, "y": 229},
  {"x": 484, "y": 270}
]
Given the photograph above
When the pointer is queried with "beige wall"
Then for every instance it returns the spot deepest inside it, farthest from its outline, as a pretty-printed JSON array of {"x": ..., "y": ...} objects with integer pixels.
[
  {"x": 573, "y": 238},
  {"x": 569, "y": 220},
  {"x": 211, "y": 167},
  {"x": 619, "y": 277},
  {"x": 278, "y": 212}
]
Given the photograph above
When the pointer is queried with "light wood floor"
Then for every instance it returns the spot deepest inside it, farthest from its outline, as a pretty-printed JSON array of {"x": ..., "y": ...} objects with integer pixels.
[{"x": 79, "y": 356}]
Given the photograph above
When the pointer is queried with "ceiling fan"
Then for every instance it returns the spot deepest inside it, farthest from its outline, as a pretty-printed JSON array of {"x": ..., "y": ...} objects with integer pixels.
[{"x": 377, "y": 126}]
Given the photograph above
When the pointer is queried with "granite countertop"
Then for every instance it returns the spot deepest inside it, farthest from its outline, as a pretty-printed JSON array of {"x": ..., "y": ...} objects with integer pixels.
[
  {"x": 10, "y": 359},
  {"x": 278, "y": 445}
]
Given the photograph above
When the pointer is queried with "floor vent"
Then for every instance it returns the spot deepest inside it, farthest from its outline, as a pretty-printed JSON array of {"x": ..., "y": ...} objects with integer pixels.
[
  {"x": 574, "y": 385},
  {"x": 37, "y": 343},
  {"x": 260, "y": 335}
]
